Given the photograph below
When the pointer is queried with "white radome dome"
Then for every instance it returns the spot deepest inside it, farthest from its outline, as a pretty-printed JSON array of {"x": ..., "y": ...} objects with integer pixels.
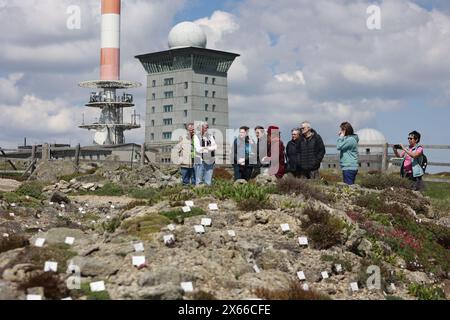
[
  {"x": 371, "y": 137},
  {"x": 187, "y": 34}
]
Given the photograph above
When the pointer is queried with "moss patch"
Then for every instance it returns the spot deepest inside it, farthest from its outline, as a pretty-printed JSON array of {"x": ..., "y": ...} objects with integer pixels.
[{"x": 145, "y": 227}]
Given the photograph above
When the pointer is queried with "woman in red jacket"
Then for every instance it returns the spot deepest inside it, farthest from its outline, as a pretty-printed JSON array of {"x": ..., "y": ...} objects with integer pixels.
[{"x": 277, "y": 163}]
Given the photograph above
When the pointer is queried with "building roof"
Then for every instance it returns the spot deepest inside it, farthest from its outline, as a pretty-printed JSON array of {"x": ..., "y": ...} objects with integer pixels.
[
  {"x": 187, "y": 58},
  {"x": 371, "y": 137}
]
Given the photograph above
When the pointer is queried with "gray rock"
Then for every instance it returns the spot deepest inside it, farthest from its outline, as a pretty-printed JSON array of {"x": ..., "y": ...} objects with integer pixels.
[
  {"x": 364, "y": 248},
  {"x": 51, "y": 170},
  {"x": 7, "y": 292},
  {"x": 9, "y": 185},
  {"x": 240, "y": 182},
  {"x": 58, "y": 197},
  {"x": 418, "y": 277},
  {"x": 168, "y": 291},
  {"x": 103, "y": 266}
]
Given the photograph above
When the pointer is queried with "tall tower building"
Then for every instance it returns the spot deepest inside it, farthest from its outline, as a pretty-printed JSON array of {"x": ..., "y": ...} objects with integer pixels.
[
  {"x": 111, "y": 125},
  {"x": 187, "y": 83}
]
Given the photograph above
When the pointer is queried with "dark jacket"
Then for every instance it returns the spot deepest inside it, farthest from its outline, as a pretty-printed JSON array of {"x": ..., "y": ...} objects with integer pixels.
[
  {"x": 261, "y": 151},
  {"x": 292, "y": 156},
  {"x": 241, "y": 149},
  {"x": 312, "y": 151}
]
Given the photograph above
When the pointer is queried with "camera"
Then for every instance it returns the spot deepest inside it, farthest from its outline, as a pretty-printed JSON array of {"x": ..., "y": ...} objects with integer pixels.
[{"x": 397, "y": 146}]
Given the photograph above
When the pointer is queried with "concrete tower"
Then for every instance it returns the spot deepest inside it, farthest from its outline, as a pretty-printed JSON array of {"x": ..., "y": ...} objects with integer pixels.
[
  {"x": 187, "y": 83},
  {"x": 110, "y": 126}
]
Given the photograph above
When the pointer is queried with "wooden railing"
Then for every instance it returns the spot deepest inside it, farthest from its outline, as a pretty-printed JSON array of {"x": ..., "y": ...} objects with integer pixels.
[{"x": 386, "y": 159}]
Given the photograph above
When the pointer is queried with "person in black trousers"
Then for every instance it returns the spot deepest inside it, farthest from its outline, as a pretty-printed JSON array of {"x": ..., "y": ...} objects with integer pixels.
[
  {"x": 311, "y": 151},
  {"x": 242, "y": 150},
  {"x": 292, "y": 153}
]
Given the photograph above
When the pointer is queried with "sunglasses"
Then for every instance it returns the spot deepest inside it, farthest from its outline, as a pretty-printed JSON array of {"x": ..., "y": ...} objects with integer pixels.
[{"x": 411, "y": 138}]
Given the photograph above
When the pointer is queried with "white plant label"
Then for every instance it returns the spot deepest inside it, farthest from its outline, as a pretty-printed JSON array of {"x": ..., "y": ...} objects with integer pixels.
[
  {"x": 187, "y": 287},
  {"x": 199, "y": 229},
  {"x": 69, "y": 240},
  {"x": 97, "y": 286},
  {"x": 139, "y": 247},
  {"x": 51, "y": 266},
  {"x": 39, "y": 242},
  {"x": 206, "y": 222}
]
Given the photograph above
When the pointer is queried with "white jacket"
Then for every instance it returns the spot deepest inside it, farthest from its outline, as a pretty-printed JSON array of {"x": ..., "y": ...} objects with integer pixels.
[{"x": 205, "y": 153}]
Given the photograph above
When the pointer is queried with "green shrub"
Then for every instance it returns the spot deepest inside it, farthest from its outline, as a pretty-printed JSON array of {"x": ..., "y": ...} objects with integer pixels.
[
  {"x": 324, "y": 230},
  {"x": 408, "y": 197},
  {"x": 110, "y": 226},
  {"x": 294, "y": 292},
  {"x": 426, "y": 292},
  {"x": 148, "y": 194},
  {"x": 86, "y": 291},
  {"x": 384, "y": 181},
  {"x": 12, "y": 197},
  {"x": 31, "y": 189},
  {"x": 59, "y": 253},
  {"x": 54, "y": 287},
  {"x": 308, "y": 189},
  {"x": 178, "y": 216},
  {"x": 13, "y": 242},
  {"x": 252, "y": 204},
  {"x": 110, "y": 189},
  {"x": 69, "y": 177},
  {"x": 145, "y": 227}
]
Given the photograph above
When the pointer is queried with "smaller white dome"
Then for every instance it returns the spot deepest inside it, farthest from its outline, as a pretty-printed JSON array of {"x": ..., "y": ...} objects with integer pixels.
[
  {"x": 187, "y": 34},
  {"x": 371, "y": 137}
]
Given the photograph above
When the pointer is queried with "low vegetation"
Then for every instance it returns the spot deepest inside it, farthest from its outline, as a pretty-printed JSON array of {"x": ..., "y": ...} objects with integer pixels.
[
  {"x": 308, "y": 189},
  {"x": 54, "y": 287},
  {"x": 324, "y": 230},
  {"x": 426, "y": 292},
  {"x": 383, "y": 181},
  {"x": 145, "y": 227},
  {"x": 294, "y": 292},
  {"x": 13, "y": 242},
  {"x": 59, "y": 253}
]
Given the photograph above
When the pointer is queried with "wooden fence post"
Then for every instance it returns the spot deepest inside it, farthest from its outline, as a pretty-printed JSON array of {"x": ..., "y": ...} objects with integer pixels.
[
  {"x": 385, "y": 159},
  {"x": 77, "y": 155},
  {"x": 143, "y": 154},
  {"x": 45, "y": 152},
  {"x": 33, "y": 152}
]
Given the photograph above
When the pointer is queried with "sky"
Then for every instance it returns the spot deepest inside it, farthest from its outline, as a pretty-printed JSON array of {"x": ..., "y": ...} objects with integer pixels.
[{"x": 312, "y": 60}]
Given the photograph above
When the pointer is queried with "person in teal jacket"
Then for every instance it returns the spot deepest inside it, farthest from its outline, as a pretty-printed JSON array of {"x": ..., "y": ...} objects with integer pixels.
[{"x": 347, "y": 144}]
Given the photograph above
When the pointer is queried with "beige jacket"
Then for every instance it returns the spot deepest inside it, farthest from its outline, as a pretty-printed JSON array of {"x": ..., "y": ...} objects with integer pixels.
[{"x": 182, "y": 152}]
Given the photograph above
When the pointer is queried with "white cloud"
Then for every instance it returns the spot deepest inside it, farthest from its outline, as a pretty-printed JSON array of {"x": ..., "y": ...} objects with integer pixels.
[
  {"x": 294, "y": 78},
  {"x": 9, "y": 91},
  {"x": 34, "y": 115},
  {"x": 218, "y": 26}
]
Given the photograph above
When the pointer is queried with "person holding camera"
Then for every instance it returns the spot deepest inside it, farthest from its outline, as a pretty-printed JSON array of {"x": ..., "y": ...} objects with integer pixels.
[
  {"x": 411, "y": 167},
  {"x": 347, "y": 145}
]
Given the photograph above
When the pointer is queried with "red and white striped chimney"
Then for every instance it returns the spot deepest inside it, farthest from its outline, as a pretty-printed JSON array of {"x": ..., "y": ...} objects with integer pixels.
[{"x": 110, "y": 52}]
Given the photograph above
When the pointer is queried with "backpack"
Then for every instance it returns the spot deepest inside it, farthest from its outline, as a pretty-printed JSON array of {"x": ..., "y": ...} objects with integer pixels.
[{"x": 423, "y": 162}]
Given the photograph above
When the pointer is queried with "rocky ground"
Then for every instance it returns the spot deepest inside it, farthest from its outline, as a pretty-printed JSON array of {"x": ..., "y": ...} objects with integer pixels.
[{"x": 108, "y": 210}]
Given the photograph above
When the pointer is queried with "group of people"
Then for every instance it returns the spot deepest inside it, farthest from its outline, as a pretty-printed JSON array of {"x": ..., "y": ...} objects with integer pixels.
[{"x": 267, "y": 154}]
